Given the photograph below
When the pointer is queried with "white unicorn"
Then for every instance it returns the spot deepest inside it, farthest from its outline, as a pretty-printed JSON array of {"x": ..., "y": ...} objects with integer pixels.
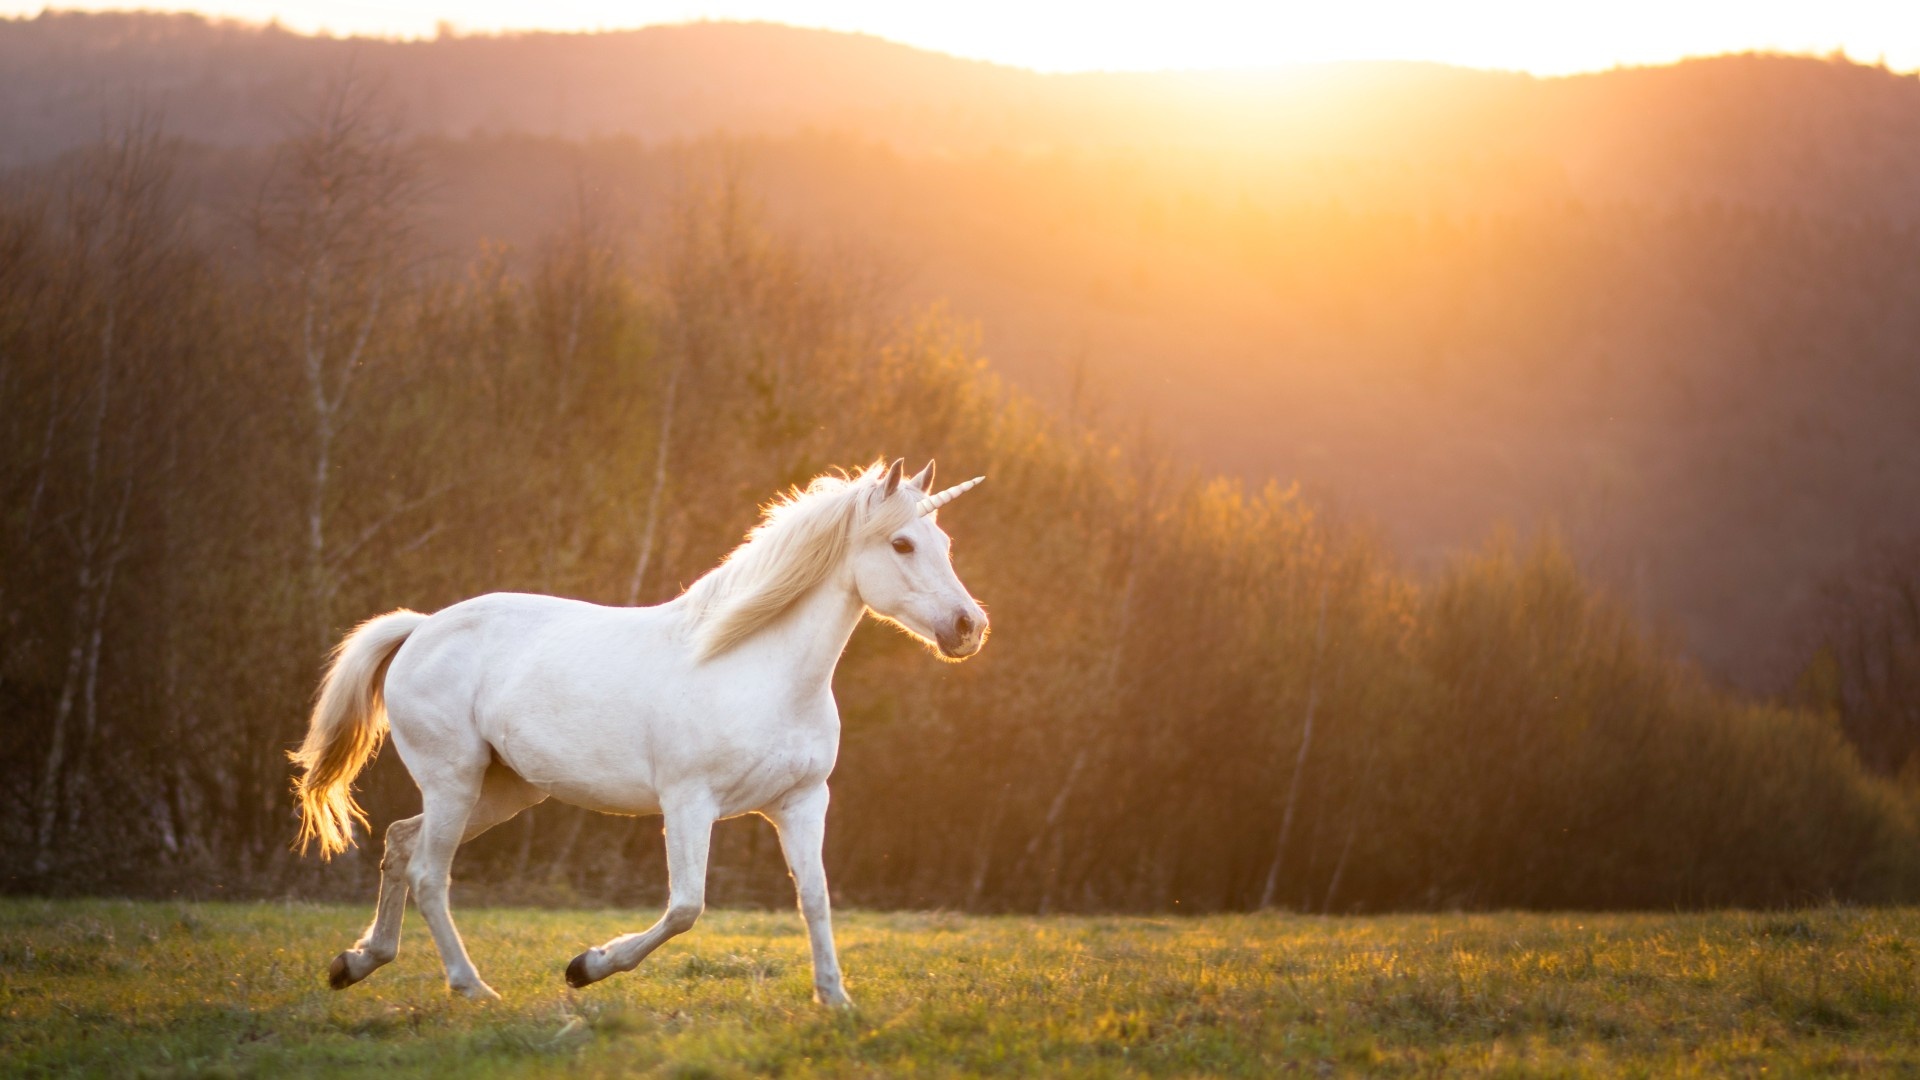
[{"x": 715, "y": 704}]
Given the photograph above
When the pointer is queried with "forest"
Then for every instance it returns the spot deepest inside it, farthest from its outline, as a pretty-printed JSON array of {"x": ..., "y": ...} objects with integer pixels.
[
  {"x": 1668, "y": 309},
  {"x": 256, "y": 397}
]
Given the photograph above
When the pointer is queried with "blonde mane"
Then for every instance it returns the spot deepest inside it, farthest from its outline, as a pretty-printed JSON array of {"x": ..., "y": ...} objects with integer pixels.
[{"x": 803, "y": 536}]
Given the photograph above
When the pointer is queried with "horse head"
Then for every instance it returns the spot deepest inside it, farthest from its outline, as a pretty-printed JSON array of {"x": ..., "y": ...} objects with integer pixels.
[{"x": 904, "y": 573}]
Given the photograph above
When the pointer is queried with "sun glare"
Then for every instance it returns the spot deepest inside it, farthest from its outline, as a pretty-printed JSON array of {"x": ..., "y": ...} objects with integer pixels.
[{"x": 1525, "y": 35}]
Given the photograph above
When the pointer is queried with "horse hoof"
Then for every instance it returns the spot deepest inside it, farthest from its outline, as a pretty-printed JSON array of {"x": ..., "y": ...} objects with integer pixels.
[
  {"x": 480, "y": 993},
  {"x": 339, "y": 975},
  {"x": 577, "y": 976}
]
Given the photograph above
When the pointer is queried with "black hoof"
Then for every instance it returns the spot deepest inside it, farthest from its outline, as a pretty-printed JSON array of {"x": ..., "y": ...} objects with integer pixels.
[
  {"x": 338, "y": 975},
  {"x": 577, "y": 972}
]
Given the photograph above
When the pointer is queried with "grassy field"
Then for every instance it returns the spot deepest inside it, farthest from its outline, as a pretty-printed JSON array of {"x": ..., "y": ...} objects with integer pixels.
[{"x": 166, "y": 989}]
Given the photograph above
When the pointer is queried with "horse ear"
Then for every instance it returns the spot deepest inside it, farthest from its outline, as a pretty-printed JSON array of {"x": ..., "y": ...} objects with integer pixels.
[
  {"x": 892, "y": 483},
  {"x": 923, "y": 480}
]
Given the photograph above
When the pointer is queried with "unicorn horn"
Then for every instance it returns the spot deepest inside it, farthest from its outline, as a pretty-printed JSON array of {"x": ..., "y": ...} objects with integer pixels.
[{"x": 934, "y": 502}]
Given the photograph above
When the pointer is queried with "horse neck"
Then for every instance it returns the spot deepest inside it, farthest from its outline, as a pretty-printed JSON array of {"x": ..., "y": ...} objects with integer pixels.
[{"x": 813, "y": 633}]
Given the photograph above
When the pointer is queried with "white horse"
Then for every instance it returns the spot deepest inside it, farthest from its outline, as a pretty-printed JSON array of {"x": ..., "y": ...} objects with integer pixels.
[{"x": 715, "y": 704}]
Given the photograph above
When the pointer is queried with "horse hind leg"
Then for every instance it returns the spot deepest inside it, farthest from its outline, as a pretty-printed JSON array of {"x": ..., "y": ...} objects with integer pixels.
[
  {"x": 455, "y": 810},
  {"x": 381, "y": 943},
  {"x": 503, "y": 794}
]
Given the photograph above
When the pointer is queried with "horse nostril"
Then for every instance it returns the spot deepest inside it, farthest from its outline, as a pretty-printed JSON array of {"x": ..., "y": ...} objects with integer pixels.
[{"x": 964, "y": 625}]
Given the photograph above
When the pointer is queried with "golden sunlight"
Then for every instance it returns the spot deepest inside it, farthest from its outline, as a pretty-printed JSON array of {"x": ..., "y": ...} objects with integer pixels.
[{"x": 1525, "y": 35}]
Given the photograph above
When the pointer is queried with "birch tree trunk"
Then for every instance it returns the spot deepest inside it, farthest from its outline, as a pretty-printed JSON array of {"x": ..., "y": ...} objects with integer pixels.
[
  {"x": 57, "y": 782},
  {"x": 1300, "y": 759},
  {"x": 52, "y": 772},
  {"x": 650, "y": 524},
  {"x": 334, "y": 218}
]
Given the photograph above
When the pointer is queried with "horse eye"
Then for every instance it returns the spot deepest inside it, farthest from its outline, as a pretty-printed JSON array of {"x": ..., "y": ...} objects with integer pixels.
[{"x": 903, "y": 545}]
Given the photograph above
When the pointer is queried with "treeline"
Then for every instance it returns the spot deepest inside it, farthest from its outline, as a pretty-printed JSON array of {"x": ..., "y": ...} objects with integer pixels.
[
  {"x": 230, "y": 439},
  {"x": 1815, "y": 136},
  {"x": 1864, "y": 665},
  {"x": 1713, "y": 400}
]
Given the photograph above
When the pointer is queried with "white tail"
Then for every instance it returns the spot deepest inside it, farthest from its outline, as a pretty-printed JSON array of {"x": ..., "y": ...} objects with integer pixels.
[{"x": 349, "y": 722}]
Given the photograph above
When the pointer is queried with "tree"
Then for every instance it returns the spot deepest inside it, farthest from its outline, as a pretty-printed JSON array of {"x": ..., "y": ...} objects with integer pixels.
[
  {"x": 1865, "y": 664},
  {"x": 96, "y": 356},
  {"x": 335, "y": 222}
]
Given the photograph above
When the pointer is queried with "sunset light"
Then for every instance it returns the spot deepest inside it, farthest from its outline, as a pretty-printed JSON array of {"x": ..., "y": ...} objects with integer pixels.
[
  {"x": 1444, "y": 603},
  {"x": 1543, "y": 38}
]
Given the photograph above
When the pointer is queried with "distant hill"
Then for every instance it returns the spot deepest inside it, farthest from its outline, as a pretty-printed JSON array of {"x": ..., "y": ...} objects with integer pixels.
[
  {"x": 1675, "y": 310},
  {"x": 1762, "y": 130}
]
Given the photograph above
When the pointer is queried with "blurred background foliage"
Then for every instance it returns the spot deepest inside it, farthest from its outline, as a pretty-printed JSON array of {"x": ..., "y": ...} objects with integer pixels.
[{"x": 249, "y": 407}]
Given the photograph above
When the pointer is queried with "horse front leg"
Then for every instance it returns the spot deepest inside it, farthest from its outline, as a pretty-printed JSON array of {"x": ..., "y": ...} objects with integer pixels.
[
  {"x": 802, "y": 824},
  {"x": 689, "y": 836}
]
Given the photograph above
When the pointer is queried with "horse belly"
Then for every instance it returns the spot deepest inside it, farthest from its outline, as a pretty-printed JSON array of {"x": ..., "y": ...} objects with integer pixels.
[
  {"x": 616, "y": 778},
  {"x": 627, "y": 739},
  {"x": 605, "y": 770},
  {"x": 630, "y": 800}
]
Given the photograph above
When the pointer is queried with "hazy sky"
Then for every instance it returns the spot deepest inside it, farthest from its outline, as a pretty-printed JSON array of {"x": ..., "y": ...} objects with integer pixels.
[{"x": 1542, "y": 36}]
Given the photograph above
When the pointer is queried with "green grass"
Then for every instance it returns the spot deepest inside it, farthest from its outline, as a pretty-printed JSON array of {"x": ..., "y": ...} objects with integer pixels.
[{"x": 164, "y": 989}]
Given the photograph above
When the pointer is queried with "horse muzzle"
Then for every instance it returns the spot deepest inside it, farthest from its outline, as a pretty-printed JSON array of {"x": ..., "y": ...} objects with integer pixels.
[{"x": 963, "y": 634}]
